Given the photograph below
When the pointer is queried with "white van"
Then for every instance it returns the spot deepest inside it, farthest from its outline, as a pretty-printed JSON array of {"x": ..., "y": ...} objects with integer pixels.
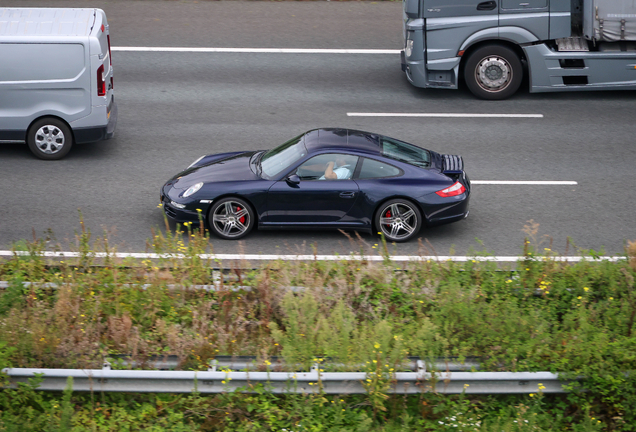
[{"x": 56, "y": 79}]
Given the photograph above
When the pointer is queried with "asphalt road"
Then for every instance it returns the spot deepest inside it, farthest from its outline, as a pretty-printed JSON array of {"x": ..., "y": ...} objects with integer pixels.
[{"x": 175, "y": 107}]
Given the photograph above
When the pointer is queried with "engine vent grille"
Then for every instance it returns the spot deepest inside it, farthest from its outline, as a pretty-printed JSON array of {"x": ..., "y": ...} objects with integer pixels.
[{"x": 452, "y": 164}]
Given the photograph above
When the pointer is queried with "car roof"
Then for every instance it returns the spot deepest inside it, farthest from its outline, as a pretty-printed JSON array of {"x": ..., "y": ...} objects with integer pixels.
[{"x": 336, "y": 139}]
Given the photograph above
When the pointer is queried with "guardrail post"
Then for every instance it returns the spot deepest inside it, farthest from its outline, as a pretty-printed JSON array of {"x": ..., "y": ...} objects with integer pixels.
[{"x": 212, "y": 366}]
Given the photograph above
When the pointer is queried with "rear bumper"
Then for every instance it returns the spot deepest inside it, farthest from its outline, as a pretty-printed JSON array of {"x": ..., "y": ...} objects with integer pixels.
[
  {"x": 451, "y": 213},
  {"x": 99, "y": 133}
]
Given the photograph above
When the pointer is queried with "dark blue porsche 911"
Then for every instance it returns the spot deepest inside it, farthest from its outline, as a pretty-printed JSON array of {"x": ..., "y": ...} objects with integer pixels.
[{"x": 324, "y": 178}]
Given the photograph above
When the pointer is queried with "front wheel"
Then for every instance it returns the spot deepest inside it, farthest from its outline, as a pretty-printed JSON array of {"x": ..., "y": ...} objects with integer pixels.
[
  {"x": 231, "y": 218},
  {"x": 399, "y": 220},
  {"x": 493, "y": 72},
  {"x": 49, "y": 138}
]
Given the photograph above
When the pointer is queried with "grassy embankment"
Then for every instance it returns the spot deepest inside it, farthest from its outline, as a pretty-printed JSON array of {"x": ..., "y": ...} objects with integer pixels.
[{"x": 542, "y": 315}]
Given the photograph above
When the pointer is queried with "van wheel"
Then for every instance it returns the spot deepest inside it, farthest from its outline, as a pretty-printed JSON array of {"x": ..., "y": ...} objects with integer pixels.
[
  {"x": 493, "y": 72},
  {"x": 49, "y": 138}
]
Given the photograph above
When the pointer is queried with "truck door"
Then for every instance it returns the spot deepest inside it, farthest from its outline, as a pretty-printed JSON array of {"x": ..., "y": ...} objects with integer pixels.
[
  {"x": 450, "y": 22},
  {"x": 520, "y": 15}
]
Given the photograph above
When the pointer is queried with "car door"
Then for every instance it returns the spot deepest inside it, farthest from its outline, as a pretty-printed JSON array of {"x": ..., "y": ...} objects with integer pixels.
[{"x": 312, "y": 198}]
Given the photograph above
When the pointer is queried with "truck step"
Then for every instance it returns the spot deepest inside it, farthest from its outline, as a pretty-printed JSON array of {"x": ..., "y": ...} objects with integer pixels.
[{"x": 572, "y": 44}]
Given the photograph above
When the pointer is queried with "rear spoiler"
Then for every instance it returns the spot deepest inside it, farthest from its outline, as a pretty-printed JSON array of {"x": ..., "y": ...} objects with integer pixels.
[{"x": 452, "y": 164}]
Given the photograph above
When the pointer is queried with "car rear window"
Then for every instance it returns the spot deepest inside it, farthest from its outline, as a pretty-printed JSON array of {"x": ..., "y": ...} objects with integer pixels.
[{"x": 404, "y": 152}]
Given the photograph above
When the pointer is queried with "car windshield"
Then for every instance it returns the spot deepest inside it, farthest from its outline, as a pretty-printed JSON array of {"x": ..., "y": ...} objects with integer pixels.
[
  {"x": 404, "y": 152},
  {"x": 278, "y": 159}
]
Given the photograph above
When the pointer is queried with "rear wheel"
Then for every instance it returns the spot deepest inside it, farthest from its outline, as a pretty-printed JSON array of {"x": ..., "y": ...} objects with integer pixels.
[
  {"x": 231, "y": 218},
  {"x": 493, "y": 72},
  {"x": 399, "y": 220},
  {"x": 49, "y": 138}
]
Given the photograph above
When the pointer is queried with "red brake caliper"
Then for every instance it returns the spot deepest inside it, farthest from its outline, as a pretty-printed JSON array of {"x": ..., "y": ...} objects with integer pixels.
[
  {"x": 242, "y": 219},
  {"x": 388, "y": 215}
]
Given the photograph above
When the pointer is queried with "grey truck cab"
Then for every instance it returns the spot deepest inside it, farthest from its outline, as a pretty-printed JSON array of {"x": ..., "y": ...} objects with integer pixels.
[
  {"x": 566, "y": 44},
  {"x": 56, "y": 79}
]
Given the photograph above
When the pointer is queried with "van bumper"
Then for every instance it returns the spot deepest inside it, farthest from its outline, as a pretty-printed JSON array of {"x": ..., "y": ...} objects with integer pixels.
[{"x": 92, "y": 134}]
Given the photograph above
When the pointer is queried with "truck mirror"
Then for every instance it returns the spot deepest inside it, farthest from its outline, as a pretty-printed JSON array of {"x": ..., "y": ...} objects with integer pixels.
[{"x": 412, "y": 8}]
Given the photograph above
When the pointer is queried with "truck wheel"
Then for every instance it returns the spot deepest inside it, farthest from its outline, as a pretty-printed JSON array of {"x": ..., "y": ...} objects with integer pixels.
[
  {"x": 493, "y": 72},
  {"x": 49, "y": 138}
]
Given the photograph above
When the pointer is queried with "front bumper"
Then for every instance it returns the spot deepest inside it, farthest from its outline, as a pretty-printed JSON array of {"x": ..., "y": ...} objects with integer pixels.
[{"x": 191, "y": 212}]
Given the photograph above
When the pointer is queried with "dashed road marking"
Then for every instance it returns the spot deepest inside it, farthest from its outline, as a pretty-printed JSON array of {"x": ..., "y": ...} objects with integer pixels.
[
  {"x": 444, "y": 115},
  {"x": 257, "y": 50}
]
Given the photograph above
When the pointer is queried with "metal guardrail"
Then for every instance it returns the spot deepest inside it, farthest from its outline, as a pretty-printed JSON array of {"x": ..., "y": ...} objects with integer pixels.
[
  {"x": 314, "y": 381},
  {"x": 278, "y": 364}
]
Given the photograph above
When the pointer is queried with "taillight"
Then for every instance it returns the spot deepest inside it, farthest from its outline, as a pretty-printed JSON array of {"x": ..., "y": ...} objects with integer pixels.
[
  {"x": 110, "y": 56},
  {"x": 101, "y": 82},
  {"x": 454, "y": 190}
]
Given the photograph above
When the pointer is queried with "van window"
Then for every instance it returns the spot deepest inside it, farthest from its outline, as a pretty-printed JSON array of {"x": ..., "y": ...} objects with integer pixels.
[{"x": 41, "y": 62}]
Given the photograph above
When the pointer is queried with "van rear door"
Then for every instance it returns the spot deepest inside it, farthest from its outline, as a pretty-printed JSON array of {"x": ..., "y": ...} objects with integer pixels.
[{"x": 101, "y": 63}]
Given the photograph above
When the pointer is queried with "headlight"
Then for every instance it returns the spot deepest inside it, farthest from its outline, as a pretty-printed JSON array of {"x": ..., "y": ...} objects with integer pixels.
[
  {"x": 408, "y": 49},
  {"x": 194, "y": 163},
  {"x": 192, "y": 189}
]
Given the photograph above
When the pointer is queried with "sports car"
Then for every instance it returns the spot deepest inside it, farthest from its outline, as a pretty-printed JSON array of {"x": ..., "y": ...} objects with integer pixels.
[{"x": 324, "y": 178}]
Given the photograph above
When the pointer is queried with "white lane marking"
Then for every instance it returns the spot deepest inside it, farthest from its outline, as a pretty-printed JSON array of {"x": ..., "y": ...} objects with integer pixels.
[
  {"x": 524, "y": 182},
  {"x": 257, "y": 50},
  {"x": 444, "y": 115},
  {"x": 271, "y": 257}
]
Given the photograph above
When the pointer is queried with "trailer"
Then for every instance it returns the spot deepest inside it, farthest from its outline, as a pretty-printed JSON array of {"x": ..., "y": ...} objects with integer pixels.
[{"x": 563, "y": 45}]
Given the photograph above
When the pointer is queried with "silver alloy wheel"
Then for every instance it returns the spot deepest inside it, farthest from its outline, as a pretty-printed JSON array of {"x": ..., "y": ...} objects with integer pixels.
[
  {"x": 493, "y": 73},
  {"x": 398, "y": 221},
  {"x": 49, "y": 139},
  {"x": 231, "y": 219}
]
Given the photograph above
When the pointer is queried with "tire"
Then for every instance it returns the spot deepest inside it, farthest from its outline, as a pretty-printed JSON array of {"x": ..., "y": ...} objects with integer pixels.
[
  {"x": 493, "y": 72},
  {"x": 400, "y": 228},
  {"x": 49, "y": 138},
  {"x": 231, "y": 218}
]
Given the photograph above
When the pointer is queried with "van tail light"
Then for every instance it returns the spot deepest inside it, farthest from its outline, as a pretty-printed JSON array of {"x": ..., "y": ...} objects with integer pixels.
[
  {"x": 101, "y": 82},
  {"x": 454, "y": 190},
  {"x": 110, "y": 56}
]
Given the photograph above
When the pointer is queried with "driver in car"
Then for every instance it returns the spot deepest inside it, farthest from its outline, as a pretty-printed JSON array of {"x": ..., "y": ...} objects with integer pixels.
[{"x": 337, "y": 170}]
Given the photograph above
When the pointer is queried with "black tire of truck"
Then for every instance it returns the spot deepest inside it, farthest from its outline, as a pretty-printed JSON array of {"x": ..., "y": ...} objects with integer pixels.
[{"x": 493, "y": 72}]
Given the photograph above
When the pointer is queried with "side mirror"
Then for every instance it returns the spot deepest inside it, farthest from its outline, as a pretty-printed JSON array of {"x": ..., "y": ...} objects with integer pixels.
[
  {"x": 412, "y": 8},
  {"x": 293, "y": 180}
]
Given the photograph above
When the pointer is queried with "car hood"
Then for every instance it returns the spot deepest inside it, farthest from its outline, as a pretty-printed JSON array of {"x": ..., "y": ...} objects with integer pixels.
[{"x": 234, "y": 168}]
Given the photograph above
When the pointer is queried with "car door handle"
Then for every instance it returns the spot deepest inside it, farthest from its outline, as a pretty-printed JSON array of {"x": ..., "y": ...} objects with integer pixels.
[
  {"x": 347, "y": 194},
  {"x": 487, "y": 5}
]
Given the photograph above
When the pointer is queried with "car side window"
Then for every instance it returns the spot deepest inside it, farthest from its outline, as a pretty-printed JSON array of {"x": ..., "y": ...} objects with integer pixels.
[
  {"x": 372, "y": 168},
  {"x": 331, "y": 166},
  {"x": 405, "y": 152}
]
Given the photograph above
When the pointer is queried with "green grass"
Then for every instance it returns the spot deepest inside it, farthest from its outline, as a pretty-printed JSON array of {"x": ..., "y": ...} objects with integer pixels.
[{"x": 541, "y": 315}]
